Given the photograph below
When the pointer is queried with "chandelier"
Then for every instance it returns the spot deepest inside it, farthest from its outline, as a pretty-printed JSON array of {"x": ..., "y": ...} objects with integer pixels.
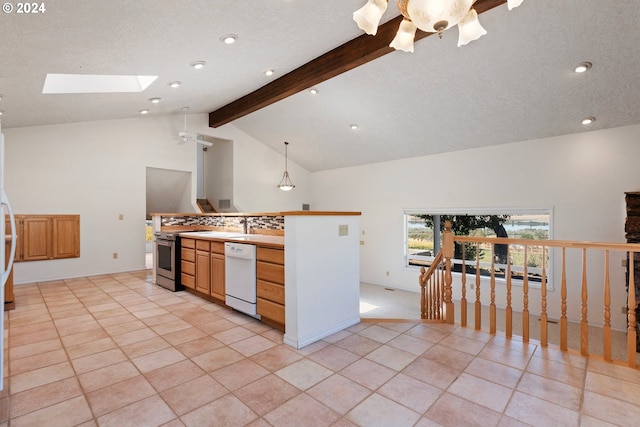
[{"x": 431, "y": 16}]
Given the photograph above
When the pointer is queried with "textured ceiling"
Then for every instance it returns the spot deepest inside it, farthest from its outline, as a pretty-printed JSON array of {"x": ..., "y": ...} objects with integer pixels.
[{"x": 514, "y": 84}]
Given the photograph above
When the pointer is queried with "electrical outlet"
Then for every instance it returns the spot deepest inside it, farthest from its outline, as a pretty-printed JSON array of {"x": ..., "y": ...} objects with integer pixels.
[
  {"x": 623, "y": 309},
  {"x": 361, "y": 242},
  {"x": 121, "y": 217},
  {"x": 623, "y": 263},
  {"x": 472, "y": 286},
  {"x": 387, "y": 273},
  {"x": 343, "y": 230},
  {"x": 115, "y": 255}
]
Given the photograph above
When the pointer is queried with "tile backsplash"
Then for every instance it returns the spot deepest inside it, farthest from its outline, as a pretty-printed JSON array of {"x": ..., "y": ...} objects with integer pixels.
[{"x": 265, "y": 222}]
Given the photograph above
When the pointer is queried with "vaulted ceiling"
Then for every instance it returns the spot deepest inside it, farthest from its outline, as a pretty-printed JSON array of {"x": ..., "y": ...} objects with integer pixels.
[{"x": 514, "y": 84}]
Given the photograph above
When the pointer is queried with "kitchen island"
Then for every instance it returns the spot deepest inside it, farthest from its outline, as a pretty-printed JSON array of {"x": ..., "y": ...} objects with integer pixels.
[{"x": 320, "y": 260}]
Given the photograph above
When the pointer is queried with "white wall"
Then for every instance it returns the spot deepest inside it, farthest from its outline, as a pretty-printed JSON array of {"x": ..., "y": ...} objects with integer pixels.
[
  {"x": 583, "y": 177},
  {"x": 322, "y": 277},
  {"x": 97, "y": 170}
]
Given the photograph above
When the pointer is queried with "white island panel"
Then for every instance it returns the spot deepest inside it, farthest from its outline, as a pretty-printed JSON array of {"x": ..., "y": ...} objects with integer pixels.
[{"x": 322, "y": 276}]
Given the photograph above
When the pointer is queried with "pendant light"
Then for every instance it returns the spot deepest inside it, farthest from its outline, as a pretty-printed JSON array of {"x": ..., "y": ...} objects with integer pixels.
[{"x": 286, "y": 184}]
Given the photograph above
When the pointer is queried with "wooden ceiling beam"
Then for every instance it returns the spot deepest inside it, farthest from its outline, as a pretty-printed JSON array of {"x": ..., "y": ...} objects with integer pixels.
[{"x": 352, "y": 54}]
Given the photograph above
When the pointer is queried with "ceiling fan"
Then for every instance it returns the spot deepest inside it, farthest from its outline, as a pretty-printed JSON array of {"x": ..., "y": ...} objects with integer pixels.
[{"x": 185, "y": 136}]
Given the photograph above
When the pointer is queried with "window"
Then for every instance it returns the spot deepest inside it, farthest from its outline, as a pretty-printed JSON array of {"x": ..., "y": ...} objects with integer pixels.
[{"x": 424, "y": 230}]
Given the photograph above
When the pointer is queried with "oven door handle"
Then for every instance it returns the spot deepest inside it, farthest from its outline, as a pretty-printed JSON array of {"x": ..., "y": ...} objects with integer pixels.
[{"x": 165, "y": 242}]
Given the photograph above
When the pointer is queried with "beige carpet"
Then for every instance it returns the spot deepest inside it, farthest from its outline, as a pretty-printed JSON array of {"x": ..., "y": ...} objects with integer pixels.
[{"x": 378, "y": 302}]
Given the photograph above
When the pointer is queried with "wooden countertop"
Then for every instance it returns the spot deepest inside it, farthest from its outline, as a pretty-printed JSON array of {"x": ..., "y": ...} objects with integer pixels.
[
  {"x": 286, "y": 213},
  {"x": 255, "y": 239}
]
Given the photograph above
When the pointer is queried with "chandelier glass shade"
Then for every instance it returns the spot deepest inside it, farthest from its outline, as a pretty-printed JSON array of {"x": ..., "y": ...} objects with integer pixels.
[
  {"x": 431, "y": 16},
  {"x": 285, "y": 183}
]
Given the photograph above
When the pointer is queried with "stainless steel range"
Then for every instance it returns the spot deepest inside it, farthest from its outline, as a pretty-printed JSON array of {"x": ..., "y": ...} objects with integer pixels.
[{"x": 166, "y": 260}]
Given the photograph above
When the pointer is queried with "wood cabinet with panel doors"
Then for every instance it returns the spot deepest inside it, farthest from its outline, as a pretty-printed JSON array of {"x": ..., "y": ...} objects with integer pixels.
[
  {"x": 270, "y": 286},
  {"x": 202, "y": 266},
  {"x": 45, "y": 237}
]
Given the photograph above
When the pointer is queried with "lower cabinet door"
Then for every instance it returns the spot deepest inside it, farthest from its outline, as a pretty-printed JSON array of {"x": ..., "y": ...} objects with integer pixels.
[
  {"x": 203, "y": 272},
  {"x": 217, "y": 276}
]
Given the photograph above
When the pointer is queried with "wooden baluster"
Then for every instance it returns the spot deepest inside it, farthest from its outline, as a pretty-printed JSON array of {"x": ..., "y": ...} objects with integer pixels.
[
  {"x": 492, "y": 304},
  {"x": 584, "y": 324},
  {"x": 509, "y": 310},
  {"x": 525, "y": 298},
  {"x": 463, "y": 298},
  {"x": 447, "y": 251},
  {"x": 606, "y": 330},
  {"x": 478, "y": 306},
  {"x": 543, "y": 303},
  {"x": 429, "y": 297},
  {"x": 432, "y": 291},
  {"x": 437, "y": 286},
  {"x": 563, "y": 304},
  {"x": 423, "y": 293},
  {"x": 631, "y": 314}
]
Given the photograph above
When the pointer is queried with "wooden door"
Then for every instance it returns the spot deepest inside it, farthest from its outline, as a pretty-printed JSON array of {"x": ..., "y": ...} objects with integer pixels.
[
  {"x": 36, "y": 238},
  {"x": 203, "y": 271},
  {"x": 217, "y": 276},
  {"x": 66, "y": 236}
]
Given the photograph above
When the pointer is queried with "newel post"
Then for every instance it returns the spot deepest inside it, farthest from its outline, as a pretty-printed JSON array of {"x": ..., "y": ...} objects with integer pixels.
[{"x": 447, "y": 252}]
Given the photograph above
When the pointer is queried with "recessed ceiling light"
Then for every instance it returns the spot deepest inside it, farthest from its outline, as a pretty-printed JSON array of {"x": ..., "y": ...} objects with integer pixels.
[
  {"x": 144, "y": 111},
  {"x": 269, "y": 73},
  {"x": 313, "y": 91},
  {"x": 198, "y": 65},
  {"x": 175, "y": 84},
  {"x": 155, "y": 100},
  {"x": 354, "y": 127},
  {"x": 229, "y": 38},
  {"x": 582, "y": 67},
  {"x": 1, "y": 112},
  {"x": 588, "y": 120}
]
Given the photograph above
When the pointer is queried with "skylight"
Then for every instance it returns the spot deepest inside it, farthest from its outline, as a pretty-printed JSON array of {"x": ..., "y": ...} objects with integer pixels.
[{"x": 94, "y": 83}]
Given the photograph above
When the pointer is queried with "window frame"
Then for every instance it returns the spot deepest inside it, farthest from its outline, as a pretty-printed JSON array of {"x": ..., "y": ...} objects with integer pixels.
[{"x": 482, "y": 211}]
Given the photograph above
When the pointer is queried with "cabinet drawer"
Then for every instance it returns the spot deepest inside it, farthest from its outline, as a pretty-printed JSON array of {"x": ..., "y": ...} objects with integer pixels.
[
  {"x": 188, "y": 267},
  {"x": 188, "y": 254},
  {"x": 270, "y": 272},
  {"x": 188, "y": 243},
  {"x": 202, "y": 245},
  {"x": 217, "y": 247},
  {"x": 188, "y": 280},
  {"x": 271, "y": 310},
  {"x": 270, "y": 291},
  {"x": 275, "y": 256}
]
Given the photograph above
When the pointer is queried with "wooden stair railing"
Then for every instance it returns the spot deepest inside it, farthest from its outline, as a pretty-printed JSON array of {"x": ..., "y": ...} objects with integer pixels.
[
  {"x": 436, "y": 288},
  {"x": 432, "y": 289},
  {"x": 205, "y": 206}
]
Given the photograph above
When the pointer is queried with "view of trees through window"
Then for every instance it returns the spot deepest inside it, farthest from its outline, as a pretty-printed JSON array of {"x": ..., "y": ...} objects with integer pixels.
[{"x": 424, "y": 236}]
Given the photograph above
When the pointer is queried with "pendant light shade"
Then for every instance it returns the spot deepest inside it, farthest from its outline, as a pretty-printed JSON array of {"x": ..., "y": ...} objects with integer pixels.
[{"x": 286, "y": 184}]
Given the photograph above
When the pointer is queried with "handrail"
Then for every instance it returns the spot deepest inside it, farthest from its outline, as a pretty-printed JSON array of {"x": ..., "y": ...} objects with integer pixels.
[
  {"x": 430, "y": 290},
  {"x": 441, "y": 291}
]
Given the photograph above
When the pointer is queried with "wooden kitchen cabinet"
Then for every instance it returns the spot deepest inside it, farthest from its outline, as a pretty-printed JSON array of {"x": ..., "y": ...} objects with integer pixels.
[
  {"x": 217, "y": 271},
  {"x": 203, "y": 266},
  {"x": 270, "y": 286},
  {"x": 44, "y": 237},
  {"x": 188, "y": 263},
  {"x": 66, "y": 236}
]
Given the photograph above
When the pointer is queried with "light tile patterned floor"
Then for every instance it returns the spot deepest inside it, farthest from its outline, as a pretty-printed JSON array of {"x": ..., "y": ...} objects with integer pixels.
[{"x": 116, "y": 350}]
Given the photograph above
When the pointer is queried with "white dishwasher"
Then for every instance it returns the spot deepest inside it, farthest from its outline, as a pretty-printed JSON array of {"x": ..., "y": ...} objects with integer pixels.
[{"x": 240, "y": 276}]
